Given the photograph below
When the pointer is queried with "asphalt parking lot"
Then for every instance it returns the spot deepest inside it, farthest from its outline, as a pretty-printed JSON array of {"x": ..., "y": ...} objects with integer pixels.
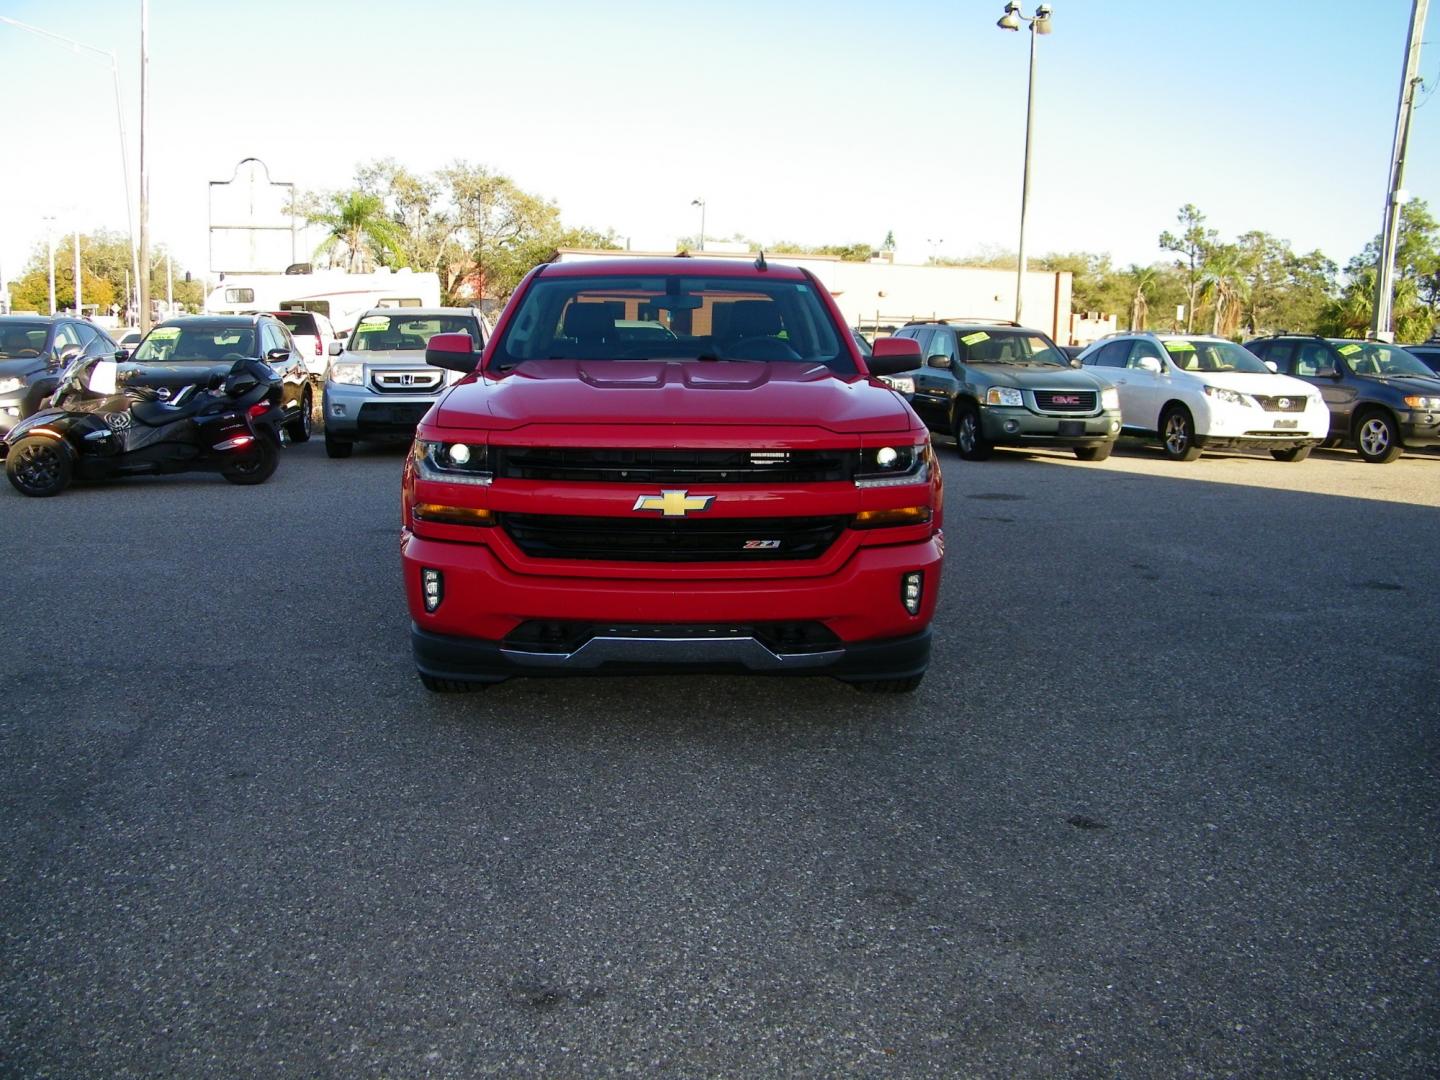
[{"x": 1166, "y": 804}]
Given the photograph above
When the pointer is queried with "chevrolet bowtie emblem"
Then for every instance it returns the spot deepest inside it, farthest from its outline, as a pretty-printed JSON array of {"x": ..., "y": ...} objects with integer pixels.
[{"x": 674, "y": 503}]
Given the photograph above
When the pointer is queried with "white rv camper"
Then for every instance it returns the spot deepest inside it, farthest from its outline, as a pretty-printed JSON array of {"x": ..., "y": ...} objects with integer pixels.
[{"x": 340, "y": 297}]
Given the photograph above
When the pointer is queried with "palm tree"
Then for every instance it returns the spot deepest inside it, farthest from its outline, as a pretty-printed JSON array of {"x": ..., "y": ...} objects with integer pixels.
[
  {"x": 357, "y": 222},
  {"x": 1142, "y": 278},
  {"x": 1223, "y": 281}
]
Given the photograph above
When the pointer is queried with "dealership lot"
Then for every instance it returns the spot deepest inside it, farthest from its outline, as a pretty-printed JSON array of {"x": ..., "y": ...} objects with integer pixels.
[{"x": 1165, "y": 804}]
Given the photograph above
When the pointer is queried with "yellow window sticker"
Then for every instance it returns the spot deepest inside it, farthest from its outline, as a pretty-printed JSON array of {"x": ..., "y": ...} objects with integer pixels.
[
  {"x": 1180, "y": 346},
  {"x": 1348, "y": 350},
  {"x": 165, "y": 333},
  {"x": 975, "y": 338}
]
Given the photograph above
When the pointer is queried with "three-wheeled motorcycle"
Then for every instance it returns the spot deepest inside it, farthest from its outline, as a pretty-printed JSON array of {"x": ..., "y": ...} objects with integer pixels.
[{"x": 94, "y": 429}]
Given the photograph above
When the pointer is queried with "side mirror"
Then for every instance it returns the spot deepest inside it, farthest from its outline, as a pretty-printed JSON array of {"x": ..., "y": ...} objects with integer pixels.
[
  {"x": 1273, "y": 366},
  {"x": 68, "y": 353},
  {"x": 892, "y": 355},
  {"x": 335, "y": 348},
  {"x": 939, "y": 360},
  {"x": 121, "y": 355},
  {"x": 1075, "y": 362},
  {"x": 1151, "y": 364},
  {"x": 454, "y": 352},
  {"x": 278, "y": 356}
]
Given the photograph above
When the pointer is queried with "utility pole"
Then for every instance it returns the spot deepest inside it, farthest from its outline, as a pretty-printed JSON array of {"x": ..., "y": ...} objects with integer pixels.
[
  {"x": 142, "y": 270},
  {"x": 1395, "y": 194},
  {"x": 77, "y": 272},
  {"x": 50, "y": 247},
  {"x": 169, "y": 286}
]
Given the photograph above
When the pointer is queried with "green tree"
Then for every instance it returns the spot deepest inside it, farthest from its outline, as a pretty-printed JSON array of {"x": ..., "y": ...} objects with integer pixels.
[
  {"x": 1417, "y": 258},
  {"x": 1224, "y": 286},
  {"x": 357, "y": 226},
  {"x": 1142, "y": 282},
  {"x": 1353, "y": 313},
  {"x": 1191, "y": 244},
  {"x": 105, "y": 272}
]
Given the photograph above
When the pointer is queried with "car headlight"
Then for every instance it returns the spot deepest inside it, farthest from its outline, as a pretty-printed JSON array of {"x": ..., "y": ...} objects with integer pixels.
[
  {"x": 1109, "y": 398},
  {"x": 453, "y": 462},
  {"x": 9, "y": 386},
  {"x": 882, "y": 466},
  {"x": 346, "y": 374},
  {"x": 1414, "y": 401},
  {"x": 1004, "y": 395},
  {"x": 905, "y": 384},
  {"x": 1231, "y": 397}
]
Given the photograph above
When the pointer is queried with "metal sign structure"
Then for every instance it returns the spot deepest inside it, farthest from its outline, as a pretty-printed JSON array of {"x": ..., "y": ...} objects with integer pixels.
[{"x": 252, "y": 228}]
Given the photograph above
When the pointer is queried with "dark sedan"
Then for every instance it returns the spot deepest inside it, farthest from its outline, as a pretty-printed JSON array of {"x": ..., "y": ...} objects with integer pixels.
[{"x": 195, "y": 348}]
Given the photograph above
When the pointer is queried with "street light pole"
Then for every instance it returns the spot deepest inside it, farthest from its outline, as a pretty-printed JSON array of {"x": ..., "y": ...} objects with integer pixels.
[
  {"x": 50, "y": 247},
  {"x": 78, "y": 312},
  {"x": 142, "y": 270},
  {"x": 701, "y": 204},
  {"x": 1038, "y": 24},
  {"x": 1395, "y": 195}
]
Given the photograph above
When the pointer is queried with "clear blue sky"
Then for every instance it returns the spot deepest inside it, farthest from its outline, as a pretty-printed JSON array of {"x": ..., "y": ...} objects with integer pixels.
[{"x": 813, "y": 120}]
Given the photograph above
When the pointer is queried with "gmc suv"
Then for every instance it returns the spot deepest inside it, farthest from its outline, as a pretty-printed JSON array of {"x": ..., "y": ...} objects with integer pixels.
[
  {"x": 738, "y": 494},
  {"x": 1381, "y": 399}
]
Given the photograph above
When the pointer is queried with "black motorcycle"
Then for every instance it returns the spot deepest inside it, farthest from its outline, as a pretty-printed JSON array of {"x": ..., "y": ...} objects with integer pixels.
[{"x": 92, "y": 429}]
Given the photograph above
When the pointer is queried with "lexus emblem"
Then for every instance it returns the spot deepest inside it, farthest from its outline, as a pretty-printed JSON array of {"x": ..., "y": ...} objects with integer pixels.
[{"x": 1284, "y": 403}]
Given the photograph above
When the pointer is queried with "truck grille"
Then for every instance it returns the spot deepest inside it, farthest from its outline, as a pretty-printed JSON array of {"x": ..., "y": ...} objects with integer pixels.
[
  {"x": 1065, "y": 401},
  {"x": 414, "y": 381},
  {"x": 557, "y": 536},
  {"x": 1280, "y": 403},
  {"x": 627, "y": 466}
]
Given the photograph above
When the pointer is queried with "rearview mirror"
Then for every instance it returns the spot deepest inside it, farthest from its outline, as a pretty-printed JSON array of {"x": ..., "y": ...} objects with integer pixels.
[
  {"x": 1151, "y": 364},
  {"x": 893, "y": 355},
  {"x": 454, "y": 352}
]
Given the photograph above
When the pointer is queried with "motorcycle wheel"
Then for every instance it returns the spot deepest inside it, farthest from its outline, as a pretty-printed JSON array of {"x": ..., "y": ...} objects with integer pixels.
[
  {"x": 39, "y": 467},
  {"x": 254, "y": 468}
]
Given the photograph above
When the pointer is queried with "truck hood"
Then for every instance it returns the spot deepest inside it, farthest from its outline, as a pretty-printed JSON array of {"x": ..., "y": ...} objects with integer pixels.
[
  {"x": 675, "y": 393},
  {"x": 1037, "y": 376},
  {"x": 385, "y": 358}
]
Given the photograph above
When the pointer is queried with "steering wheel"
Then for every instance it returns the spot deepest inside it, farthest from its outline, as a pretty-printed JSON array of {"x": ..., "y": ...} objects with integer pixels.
[{"x": 762, "y": 347}]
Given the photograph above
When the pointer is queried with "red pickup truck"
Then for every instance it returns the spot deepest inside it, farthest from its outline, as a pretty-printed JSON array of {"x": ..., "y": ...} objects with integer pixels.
[{"x": 667, "y": 465}]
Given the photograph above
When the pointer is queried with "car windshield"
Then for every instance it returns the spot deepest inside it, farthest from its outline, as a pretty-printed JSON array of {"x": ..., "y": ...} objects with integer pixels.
[
  {"x": 1007, "y": 347},
  {"x": 631, "y": 317},
  {"x": 408, "y": 333},
  {"x": 1202, "y": 354},
  {"x": 22, "y": 339},
  {"x": 1376, "y": 358},
  {"x": 166, "y": 344}
]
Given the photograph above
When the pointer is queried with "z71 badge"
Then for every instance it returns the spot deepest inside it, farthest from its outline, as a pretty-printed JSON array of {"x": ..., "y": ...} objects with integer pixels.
[{"x": 761, "y": 545}]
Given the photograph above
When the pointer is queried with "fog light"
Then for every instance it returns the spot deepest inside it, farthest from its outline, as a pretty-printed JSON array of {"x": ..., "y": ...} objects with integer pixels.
[
  {"x": 1114, "y": 426},
  {"x": 12, "y": 412},
  {"x": 337, "y": 410},
  {"x": 433, "y": 583},
  {"x": 911, "y": 587},
  {"x": 1012, "y": 426}
]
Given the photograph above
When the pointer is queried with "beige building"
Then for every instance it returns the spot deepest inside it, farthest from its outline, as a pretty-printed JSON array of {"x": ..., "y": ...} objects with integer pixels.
[{"x": 881, "y": 295}]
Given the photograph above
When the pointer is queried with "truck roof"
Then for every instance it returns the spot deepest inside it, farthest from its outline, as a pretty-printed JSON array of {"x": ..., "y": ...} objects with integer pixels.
[{"x": 677, "y": 264}]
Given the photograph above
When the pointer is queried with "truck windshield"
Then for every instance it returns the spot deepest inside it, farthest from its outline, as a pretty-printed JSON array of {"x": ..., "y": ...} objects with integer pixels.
[
  {"x": 629, "y": 317},
  {"x": 1008, "y": 347},
  {"x": 401, "y": 333}
]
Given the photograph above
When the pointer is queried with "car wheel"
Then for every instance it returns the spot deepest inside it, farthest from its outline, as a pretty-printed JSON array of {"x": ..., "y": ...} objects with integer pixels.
[
  {"x": 889, "y": 686},
  {"x": 1177, "y": 434},
  {"x": 1294, "y": 453},
  {"x": 449, "y": 686},
  {"x": 256, "y": 467},
  {"x": 301, "y": 427},
  {"x": 39, "y": 467},
  {"x": 338, "y": 448},
  {"x": 1094, "y": 453},
  {"x": 1377, "y": 438},
  {"x": 968, "y": 438}
]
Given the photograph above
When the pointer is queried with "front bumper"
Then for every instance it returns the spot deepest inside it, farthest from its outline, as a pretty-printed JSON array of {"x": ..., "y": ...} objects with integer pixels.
[
  {"x": 357, "y": 412},
  {"x": 1420, "y": 428},
  {"x": 1019, "y": 426},
  {"x": 10, "y": 410},
  {"x": 671, "y": 621}
]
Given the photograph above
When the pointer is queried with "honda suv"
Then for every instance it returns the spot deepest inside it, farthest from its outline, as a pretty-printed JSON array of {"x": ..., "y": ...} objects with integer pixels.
[
  {"x": 998, "y": 384},
  {"x": 378, "y": 386},
  {"x": 1381, "y": 398}
]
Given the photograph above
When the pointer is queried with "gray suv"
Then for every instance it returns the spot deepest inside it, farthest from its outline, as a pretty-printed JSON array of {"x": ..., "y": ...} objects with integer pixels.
[{"x": 377, "y": 385}]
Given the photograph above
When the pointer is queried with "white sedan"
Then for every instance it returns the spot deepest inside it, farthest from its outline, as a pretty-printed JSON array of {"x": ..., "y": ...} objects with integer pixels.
[{"x": 1196, "y": 392}]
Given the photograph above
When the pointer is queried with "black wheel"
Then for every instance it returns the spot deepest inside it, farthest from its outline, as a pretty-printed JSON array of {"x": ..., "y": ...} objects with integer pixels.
[
  {"x": 1377, "y": 438},
  {"x": 968, "y": 437},
  {"x": 1294, "y": 453},
  {"x": 1094, "y": 453},
  {"x": 300, "y": 428},
  {"x": 338, "y": 448},
  {"x": 889, "y": 686},
  {"x": 1177, "y": 434},
  {"x": 449, "y": 686},
  {"x": 39, "y": 467},
  {"x": 255, "y": 467}
]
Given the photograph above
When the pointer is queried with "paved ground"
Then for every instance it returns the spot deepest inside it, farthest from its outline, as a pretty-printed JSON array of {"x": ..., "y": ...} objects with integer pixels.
[{"x": 1166, "y": 805}]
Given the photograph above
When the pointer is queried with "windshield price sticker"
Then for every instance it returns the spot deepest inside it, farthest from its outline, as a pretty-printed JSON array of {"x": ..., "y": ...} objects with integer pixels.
[
  {"x": 975, "y": 338},
  {"x": 363, "y": 328},
  {"x": 1347, "y": 350},
  {"x": 165, "y": 333},
  {"x": 1180, "y": 346}
]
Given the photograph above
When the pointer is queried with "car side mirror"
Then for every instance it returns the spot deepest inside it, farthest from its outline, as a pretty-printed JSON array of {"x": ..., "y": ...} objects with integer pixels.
[
  {"x": 1273, "y": 366},
  {"x": 68, "y": 353},
  {"x": 893, "y": 355},
  {"x": 939, "y": 360},
  {"x": 1075, "y": 362},
  {"x": 1151, "y": 364},
  {"x": 454, "y": 352},
  {"x": 335, "y": 348},
  {"x": 276, "y": 356},
  {"x": 121, "y": 355}
]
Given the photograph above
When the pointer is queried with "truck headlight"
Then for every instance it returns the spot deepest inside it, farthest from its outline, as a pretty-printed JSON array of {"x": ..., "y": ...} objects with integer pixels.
[
  {"x": 346, "y": 373},
  {"x": 1004, "y": 395},
  {"x": 9, "y": 386},
  {"x": 453, "y": 462},
  {"x": 905, "y": 384},
  {"x": 1413, "y": 402},
  {"x": 881, "y": 466},
  {"x": 1109, "y": 398},
  {"x": 1230, "y": 397}
]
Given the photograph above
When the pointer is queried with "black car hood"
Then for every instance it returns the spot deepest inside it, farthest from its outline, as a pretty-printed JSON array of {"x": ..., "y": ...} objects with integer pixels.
[
  {"x": 20, "y": 366},
  {"x": 1036, "y": 376},
  {"x": 1419, "y": 384}
]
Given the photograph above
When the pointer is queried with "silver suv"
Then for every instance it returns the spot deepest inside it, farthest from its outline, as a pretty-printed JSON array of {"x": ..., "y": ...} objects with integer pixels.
[{"x": 378, "y": 386}]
